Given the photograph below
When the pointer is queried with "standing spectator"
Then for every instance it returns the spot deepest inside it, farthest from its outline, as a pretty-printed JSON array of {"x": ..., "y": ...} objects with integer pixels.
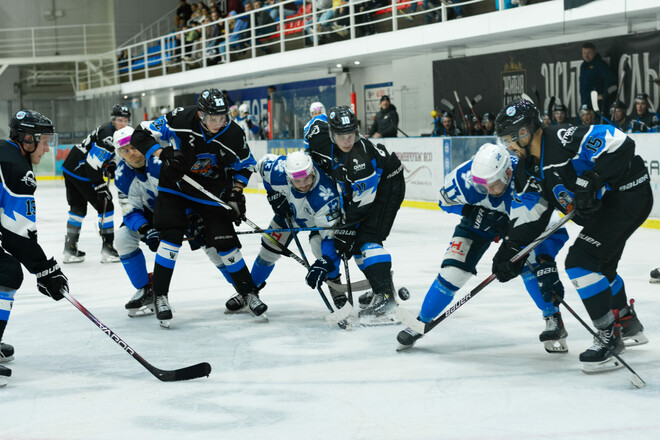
[
  {"x": 85, "y": 170},
  {"x": 619, "y": 117},
  {"x": 642, "y": 121},
  {"x": 386, "y": 122},
  {"x": 446, "y": 126},
  {"x": 595, "y": 74}
]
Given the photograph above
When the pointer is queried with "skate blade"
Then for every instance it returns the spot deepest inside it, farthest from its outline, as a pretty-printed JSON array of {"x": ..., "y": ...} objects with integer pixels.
[
  {"x": 557, "y": 346},
  {"x": 105, "y": 260},
  {"x": 379, "y": 320},
  {"x": 654, "y": 280},
  {"x": 403, "y": 347},
  {"x": 237, "y": 312},
  {"x": 71, "y": 260},
  {"x": 601, "y": 367},
  {"x": 638, "y": 339},
  {"x": 5, "y": 359},
  {"x": 138, "y": 313},
  {"x": 3, "y": 381},
  {"x": 164, "y": 323}
]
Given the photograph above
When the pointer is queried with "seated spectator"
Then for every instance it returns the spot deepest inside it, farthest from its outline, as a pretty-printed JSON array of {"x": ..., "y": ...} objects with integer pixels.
[
  {"x": 263, "y": 19},
  {"x": 618, "y": 116},
  {"x": 587, "y": 115},
  {"x": 488, "y": 121},
  {"x": 435, "y": 13},
  {"x": 183, "y": 14},
  {"x": 323, "y": 8},
  {"x": 642, "y": 121},
  {"x": 122, "y": 59},
  {"x": 227, "y": 6},
  {"x": 446, "y": 126},
  {"x": 508, "y": 4},
  {"x": 560, "y": 114},
  {"x": 289, "y": 9}
]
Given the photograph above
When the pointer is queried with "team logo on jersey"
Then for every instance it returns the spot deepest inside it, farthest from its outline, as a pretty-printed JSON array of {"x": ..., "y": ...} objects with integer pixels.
[
  {"x": 563, "y": 196},
  {"x": 206, "y": 166},
  {"x": 358, "y": 166},
  {"x": 315, "y": 130},
  {"x": 325, "y": 193},
  {"x": 565, "y": 135},
  {"x": 29, "y": 179}
]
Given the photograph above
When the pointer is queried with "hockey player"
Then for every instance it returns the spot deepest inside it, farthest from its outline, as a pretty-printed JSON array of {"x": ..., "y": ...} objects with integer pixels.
[
  {"x": 480, "y": 191},
  {"x": 137, "y": 188},
  {"x": 31, "y": 135},
  {"x": 301, "y": 195},
  {"x": 84, "y": 177},
  {"x": 316, "y": 111},
  {"x": 247, "y": 122},
  {"x": 214, "y": 152},
  {"x": 371, "y": 187},
  {"x": 643, "y": 121},
  {"x": 594, "y": 170}
]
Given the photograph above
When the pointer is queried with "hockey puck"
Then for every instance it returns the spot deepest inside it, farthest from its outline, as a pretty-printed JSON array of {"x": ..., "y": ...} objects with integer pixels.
[{"x": 404, "y": 294}]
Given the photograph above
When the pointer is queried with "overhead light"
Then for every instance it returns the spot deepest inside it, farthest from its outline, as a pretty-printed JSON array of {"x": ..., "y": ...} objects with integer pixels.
[
  {"x": 125, "y": 96},
  {"x": 339, "y": 65},
  {"x": 356, "y": 62},
  {"x": 144, "y": 94}
]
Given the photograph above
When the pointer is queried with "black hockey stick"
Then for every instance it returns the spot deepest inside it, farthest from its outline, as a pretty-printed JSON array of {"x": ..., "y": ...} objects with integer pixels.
[
  {"x": 272, "y": 230},
  {"x": 289, "y": 222},
  {"x": 192, "y": 372},
  {"x": 635, "y": 379},
  {"x": 424, "y": 328}
]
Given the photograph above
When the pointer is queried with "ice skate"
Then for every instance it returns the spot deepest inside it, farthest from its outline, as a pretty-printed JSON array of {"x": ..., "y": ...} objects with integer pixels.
[
  {"x": 554, "y": 335},
  {"x": 655, "y": 276},
  {"x": 338, "y": 298},
  {"x": 6, "y": 352},
  {"x": 600, "y": 357},
  {"x": 365, "y": 299},
  {"x": 71, "y": 252},
  {"x": 380, "y": 311},
  {"x": 257, "y": 307},
  {"x": 236, "y": 304},
  {"x": 632, "y": 331},
  {"x": 4, "y": 374},
  {"x": 109, "y": 253},
  {"x": 407, "y": 338},
  {"x": 142, "y": 302},
  {"x": 163, "y": 311}
]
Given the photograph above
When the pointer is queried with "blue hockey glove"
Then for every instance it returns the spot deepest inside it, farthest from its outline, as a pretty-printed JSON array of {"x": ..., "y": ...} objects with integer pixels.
[
  {"x": 586, "y": 201},
  {"x": 503, "y": 268},
  {"x": 319, "y": 271},
  {"x": 174, "y": 165},
  {"x": 548, "y": 279},
  {"x": 150, "y": 236},
  {"x": 50, "y": 279},
  {"x": 486, "y": 220}
]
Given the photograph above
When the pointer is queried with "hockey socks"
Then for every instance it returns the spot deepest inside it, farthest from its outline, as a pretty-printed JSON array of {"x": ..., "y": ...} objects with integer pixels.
[
  {"x": 439, "y": 295},
  {"x": 135, "y": 266}
]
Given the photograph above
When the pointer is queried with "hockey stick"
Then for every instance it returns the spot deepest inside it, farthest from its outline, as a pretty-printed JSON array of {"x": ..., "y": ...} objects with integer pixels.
[
  {"x": 623, "y": 75},
  {"x": 404, "y": 133},
  {"x": 272, "y": 230},
  {"x": 192, "y": 372},
  {"x": 447, "y": 104},
  {"x": 460, "y": 107},
  {"x": 635, "y": 379},
  {"x": 594, "y": 104},
  {"x": 474, "y": 113},
  {"x": 423, "y": 328},
  {"x": 289, "y": 222}
]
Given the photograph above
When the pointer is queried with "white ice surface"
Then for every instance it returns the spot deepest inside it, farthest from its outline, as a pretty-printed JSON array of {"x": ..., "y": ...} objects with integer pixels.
[{"x": 481, "y": 374}]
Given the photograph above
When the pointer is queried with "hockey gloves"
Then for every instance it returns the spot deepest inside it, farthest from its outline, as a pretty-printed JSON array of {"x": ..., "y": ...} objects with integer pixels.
[
  {"x": 548, "y": 279},
  {"x": 280, "y": 204},
  {"x": 195, "y": 231},
  {"x": 503, "y": 269},
  {"x": 319, "y": 271},
  {"x": 50, "y": 279},
  {"x": 345, "y": 242},
  {"x": 103, "y": 192},
  {"x": 586, "y": 201},
  {"x": 150, "y": 236},
  {"x": 236, "y": 201},
  {"x": 109, "y": 169},
  {"x": 486, "y": 220},
  {"x": 174, "y": 166}
]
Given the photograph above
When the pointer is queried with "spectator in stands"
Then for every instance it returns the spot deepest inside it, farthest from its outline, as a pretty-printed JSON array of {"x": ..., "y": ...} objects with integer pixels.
[
  {"x": 446, "y": 126},
  {"x": 595, "y": 74},
  {"x": 587, "y": 115},
  {"x": 386, "y": 122},
  {"x": 195, "y": 19},
  {"x": 288, "y": 10},
  {"x": 262, "y": 20},
  {"x": 203, "y": 11},
  {"x": 183, "y": 13},
  {"x": 619, "y": 117},
  {"x": 488, "y": 121},
  {"x": 560, "y": 114},
  {"x": 122, "y": 59},
  {"x": 547, "y": 119},
  {"x": 325, "y": 12},
  {"x": 642, "y": 121},
  {"x": 227, "y": 6},
  {"x": 190, "y": 37},
  {"x": 214, "y": 37},
  {"x": 508, "y": 4}
]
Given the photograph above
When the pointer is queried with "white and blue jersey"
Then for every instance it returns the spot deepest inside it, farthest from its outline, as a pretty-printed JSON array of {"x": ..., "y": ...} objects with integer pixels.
[
  {"x": 137, "y": 191},
  {"x": 252, "y": 129}
]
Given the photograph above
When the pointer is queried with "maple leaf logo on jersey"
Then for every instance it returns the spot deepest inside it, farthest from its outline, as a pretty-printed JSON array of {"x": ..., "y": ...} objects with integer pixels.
[{"x": 325, "y": 193}]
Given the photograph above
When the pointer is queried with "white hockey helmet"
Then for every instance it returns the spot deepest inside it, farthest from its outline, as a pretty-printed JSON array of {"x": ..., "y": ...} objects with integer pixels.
[
  {"x": 298, "y": 165},
  {"x": 243, "y": 109},
  {"x": 490, "y": 166},
  {"x": 122, "y": 137},
  {"x": 316, "y": 107}
]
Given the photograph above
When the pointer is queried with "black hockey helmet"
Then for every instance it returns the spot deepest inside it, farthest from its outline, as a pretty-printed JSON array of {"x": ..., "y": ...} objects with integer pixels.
[
  {"x": 560, "y": 108},
  {"x": 342, "y": 120},
  {"x": 120, "y": 111},
  {"x": 515, "y": 116},
  {"x": 212, "y": 102},
  {"x": 29, "y": 122}
]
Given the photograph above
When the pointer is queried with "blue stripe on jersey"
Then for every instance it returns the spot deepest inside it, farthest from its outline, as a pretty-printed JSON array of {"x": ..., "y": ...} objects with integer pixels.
[
  {"x": 186, "y": 196},
  {"x": 75, "y": 176},
  {"x": 19, "y": 209},
  {"x": 586, "y": 282}
]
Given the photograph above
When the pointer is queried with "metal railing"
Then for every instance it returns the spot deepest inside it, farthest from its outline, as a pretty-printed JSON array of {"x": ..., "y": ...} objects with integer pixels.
[{"x": 47, "y": 41}]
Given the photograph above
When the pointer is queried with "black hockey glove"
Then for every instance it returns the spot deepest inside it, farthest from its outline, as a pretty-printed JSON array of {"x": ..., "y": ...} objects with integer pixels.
[
  {"x": 50, "y": 279},
  {"x": 195, "y": 231},
  {"x": 345, "y": 242},
  {"x": 587, "y": 187},
  {"x": 150, "y": 236},
  {"x": 109, "y": 169},
  {"x": 548, "y": 279},
  {"x": 249, "y": 123},
  {"x": 236, "y": 200},
  {"x": 174, "y": 165},
  {"x": 503, "y": 268},
  {"x": 280, "y": 204},
  {"x": 486, "y": 220},
  {"x": 319, "y": 271},
  {"x": 103, "y": 192}
]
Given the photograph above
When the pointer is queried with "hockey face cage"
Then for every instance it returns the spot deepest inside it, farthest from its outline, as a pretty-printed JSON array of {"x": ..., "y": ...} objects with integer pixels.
[
  {"x": 342, "y": 121},
  {"x": 520, "y": 114},
  {"x": 28, "y": 127}
]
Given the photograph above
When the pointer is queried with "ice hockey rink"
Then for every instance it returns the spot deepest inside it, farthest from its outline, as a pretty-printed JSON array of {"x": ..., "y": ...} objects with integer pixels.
[{"x": 481, "y": 374}]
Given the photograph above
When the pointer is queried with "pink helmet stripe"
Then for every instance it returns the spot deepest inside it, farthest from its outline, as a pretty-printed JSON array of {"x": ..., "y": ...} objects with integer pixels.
[
  {"x": 124, "y": 141},
  {"x": 299, "y": 174},
  {"x": 479, "y": 180}
]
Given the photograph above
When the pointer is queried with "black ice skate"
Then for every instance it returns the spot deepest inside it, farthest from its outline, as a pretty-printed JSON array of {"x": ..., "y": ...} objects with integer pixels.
[
  {"x": 407, "y": 338},
  {"x": 381, "y": 304},
  {"x": 6, "y": 352},
  {"x": 632, "y": 331},
  {"x": 655, "y": 276},
  {"x": 256, "y": 306},
  {"x": 71, "y": 252},
  {"x": 554, "y": 335},
  {"x": 4, "y": 374},
  {"x": 142, "y": 302},
  {"x": 600, "y": 357},
  {"x": 109, "y": 253},
  {"x": 365, "y": 299},
  {"x": 236, "y": 304},
  {"x": 339, "y": 298},
  {"x": 163, "y": 311}
]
